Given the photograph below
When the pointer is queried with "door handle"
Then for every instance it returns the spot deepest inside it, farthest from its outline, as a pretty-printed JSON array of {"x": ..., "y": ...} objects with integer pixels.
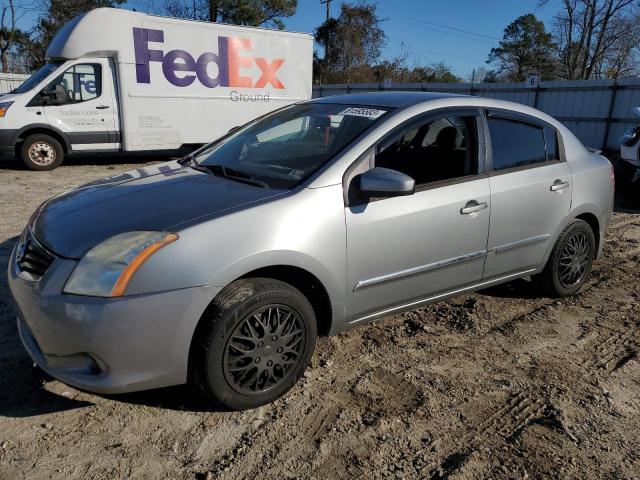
[
  {"x": 102, "y": 107},
  {"x": 473, "y": 207},
  {"x": 559, "y": 185}
]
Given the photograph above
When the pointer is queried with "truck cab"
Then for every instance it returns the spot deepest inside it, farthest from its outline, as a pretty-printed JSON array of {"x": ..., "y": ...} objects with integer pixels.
[{"x": 65, "y": 107}]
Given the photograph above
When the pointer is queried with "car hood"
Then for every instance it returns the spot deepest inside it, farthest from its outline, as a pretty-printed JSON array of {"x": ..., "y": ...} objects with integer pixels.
[{"x": 151, "y": 198}]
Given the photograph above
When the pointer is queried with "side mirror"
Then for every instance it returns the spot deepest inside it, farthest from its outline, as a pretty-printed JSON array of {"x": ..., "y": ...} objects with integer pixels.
[
  {"x": 384, "y": 182},
  {"x": 636, "y": 110}
]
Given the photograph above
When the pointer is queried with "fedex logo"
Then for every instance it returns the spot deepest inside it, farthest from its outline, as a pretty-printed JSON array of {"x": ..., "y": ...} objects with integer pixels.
[{"x": 230, "y": 59}]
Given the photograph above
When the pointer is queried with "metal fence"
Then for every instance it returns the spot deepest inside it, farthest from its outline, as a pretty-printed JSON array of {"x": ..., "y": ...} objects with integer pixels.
[
  {"x": 596, "y": 111},
  {"x": 9, "y": 81}
]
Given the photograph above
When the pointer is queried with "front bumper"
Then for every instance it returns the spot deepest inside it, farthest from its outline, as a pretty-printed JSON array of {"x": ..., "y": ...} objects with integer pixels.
[
  {"x": 106, "y": 345},
  {"x": 7, "y": 141}
]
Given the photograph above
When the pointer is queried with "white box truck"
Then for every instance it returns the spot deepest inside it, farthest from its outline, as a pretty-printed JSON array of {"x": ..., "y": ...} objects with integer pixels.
[{"x": 118, "y": 80}]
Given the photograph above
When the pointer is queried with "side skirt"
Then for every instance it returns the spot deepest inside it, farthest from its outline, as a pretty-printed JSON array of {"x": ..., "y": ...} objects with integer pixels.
[{"x": 441, "y": 296}]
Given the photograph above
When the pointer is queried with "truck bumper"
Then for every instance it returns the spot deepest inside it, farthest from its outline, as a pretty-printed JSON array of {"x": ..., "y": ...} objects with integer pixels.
[{"x": 7, "y": 145}]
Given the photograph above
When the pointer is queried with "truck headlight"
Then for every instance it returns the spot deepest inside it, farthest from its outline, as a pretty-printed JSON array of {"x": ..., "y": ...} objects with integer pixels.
[
  {"x": 106, "y": 269},
  {"x": 4, "y": 106}
]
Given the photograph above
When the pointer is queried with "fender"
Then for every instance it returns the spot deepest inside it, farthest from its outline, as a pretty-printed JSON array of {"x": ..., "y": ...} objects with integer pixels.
[
  {"x": 288, "y": 258},
  {"x": 574, "y": 213},
  {"x": 42, "y": 126}
]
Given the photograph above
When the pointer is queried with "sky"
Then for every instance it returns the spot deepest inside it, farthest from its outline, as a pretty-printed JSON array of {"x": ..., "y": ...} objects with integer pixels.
[{"x": 432, "y": 30}]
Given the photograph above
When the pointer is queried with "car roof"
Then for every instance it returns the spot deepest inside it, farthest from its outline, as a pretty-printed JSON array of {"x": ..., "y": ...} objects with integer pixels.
[
  {"x": 404, "y": 100},
  {"x": 384, "y": 99}
]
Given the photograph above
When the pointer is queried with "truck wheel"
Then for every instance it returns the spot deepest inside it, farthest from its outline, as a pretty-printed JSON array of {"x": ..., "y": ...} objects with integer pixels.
[
  {"x": 41, "y": 152},
  {"x": 570, "y": 261},
  {"x": 253, "y": 344}
]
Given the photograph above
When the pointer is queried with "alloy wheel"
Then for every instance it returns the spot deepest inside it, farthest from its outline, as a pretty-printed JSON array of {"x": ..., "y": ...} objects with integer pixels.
[
  {"x": 574, "y": 259},
  {"x": 263, "y": 349}
]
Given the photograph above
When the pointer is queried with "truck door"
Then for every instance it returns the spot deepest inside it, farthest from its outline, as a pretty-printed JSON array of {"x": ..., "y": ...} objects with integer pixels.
[{"x": 82, "y": 104}]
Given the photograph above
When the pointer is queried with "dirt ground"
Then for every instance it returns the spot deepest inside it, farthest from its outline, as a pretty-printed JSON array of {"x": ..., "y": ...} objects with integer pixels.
[{"x": 499, "y": 384}]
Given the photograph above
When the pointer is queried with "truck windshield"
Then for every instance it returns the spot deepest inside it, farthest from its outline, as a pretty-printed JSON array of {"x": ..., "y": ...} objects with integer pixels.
[
  {"x": 286, "y": 147},
  {"x": 42, "y": 73}
]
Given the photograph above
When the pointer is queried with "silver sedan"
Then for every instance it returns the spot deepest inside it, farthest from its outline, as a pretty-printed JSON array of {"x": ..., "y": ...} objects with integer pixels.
[{"x": 223, "y": 267}]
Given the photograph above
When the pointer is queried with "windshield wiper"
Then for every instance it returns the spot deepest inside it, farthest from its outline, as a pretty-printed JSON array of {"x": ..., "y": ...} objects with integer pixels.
[
  {"x": 187, "y": 159},
  {"x": 230, "y": 173}
]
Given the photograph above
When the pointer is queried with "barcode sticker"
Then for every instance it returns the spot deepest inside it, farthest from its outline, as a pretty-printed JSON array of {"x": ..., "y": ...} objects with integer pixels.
[{"x": 371, "y": 113}]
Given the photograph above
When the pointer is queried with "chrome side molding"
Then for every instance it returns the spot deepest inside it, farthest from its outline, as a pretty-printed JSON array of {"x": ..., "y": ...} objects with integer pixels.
[
  {"x": 520, "y": 243},
  {"x": 421, "y": 269}
]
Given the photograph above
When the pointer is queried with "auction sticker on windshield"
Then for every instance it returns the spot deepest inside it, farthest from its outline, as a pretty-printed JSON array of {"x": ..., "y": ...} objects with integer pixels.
[{"x": 371, "y": 113}]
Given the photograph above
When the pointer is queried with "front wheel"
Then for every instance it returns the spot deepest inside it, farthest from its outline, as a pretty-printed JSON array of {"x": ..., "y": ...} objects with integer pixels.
[
  {"x": 41, "y": 152},
  {"x": 570, "y": 261},
  {"x": 255, "y": 342}
]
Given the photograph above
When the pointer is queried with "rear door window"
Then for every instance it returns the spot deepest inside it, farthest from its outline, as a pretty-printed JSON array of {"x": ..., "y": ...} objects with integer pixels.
[{"x": 516, "y": 144}]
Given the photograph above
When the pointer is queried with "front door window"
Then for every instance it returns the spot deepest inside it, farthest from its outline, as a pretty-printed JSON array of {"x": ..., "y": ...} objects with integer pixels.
[{"x": 79, "y": 83}]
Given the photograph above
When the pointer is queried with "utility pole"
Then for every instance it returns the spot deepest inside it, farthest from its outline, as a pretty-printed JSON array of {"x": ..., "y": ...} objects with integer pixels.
[
  {"x": 328, "y": 3},
  {"x": 326, "y": 41}
]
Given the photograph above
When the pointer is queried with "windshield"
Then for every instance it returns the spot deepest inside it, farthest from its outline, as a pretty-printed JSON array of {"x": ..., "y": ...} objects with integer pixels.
[
  {"x": 286, "y": 147},
  {"x": 42, "y": 73}
]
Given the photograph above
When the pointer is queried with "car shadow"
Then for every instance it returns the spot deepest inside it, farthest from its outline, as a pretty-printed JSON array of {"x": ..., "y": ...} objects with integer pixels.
[
  {"x": 186, "y": 398},
  {"x": 520, "y": 288}
]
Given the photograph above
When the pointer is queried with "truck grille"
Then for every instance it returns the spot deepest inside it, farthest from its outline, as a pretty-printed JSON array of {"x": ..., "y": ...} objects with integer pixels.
[{"x": 33, "y": 258}]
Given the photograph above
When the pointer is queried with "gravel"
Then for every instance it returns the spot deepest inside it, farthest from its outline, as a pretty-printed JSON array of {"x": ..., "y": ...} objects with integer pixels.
[{"x": 498, "y": 384}]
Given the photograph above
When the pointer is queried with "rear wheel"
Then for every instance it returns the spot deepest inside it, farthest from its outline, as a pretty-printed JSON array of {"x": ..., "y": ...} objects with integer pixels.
[
  {"x": 570, "y": 261},
  {"x": 254, "y": 344},
  {"x": 41, "y": 152}
]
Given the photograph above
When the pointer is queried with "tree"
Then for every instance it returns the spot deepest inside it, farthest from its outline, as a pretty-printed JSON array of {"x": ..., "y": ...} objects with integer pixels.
[
  {"x": 268, "y": 13},
  {"x": 7, "y": 32},
  {"x": 10, "y": 34},
  {"x": 526, "y": 47},
  {"x": 59, "y": 12},
  {"x": 597, "y": 38},
  {"x": 484, "y": 75},
  {"x": 352, "y": 43}
]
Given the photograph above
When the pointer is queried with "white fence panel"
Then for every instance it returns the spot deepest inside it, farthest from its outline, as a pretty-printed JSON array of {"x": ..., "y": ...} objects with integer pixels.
[
  {"x": 9, "y": 81},
  {"x": 596, "y": 111}
]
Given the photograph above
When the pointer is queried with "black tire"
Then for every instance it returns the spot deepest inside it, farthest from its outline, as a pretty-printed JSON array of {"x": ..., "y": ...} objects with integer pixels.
[
  {"x": 272, "y": 324},
  {"x": 569, "y": 266},
  {"x": 41, "y": 152}
]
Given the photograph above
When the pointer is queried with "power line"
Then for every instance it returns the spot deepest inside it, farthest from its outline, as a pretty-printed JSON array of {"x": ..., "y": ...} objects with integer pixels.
[
  {"x": 434, "y": 29},
  {"x": 457, "y": 29}
]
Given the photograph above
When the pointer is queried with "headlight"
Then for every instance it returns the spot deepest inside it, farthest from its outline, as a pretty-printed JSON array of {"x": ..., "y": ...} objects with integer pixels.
[
  {"x": 106, "y": 269},
  {"x": 4, "y": 106}
]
